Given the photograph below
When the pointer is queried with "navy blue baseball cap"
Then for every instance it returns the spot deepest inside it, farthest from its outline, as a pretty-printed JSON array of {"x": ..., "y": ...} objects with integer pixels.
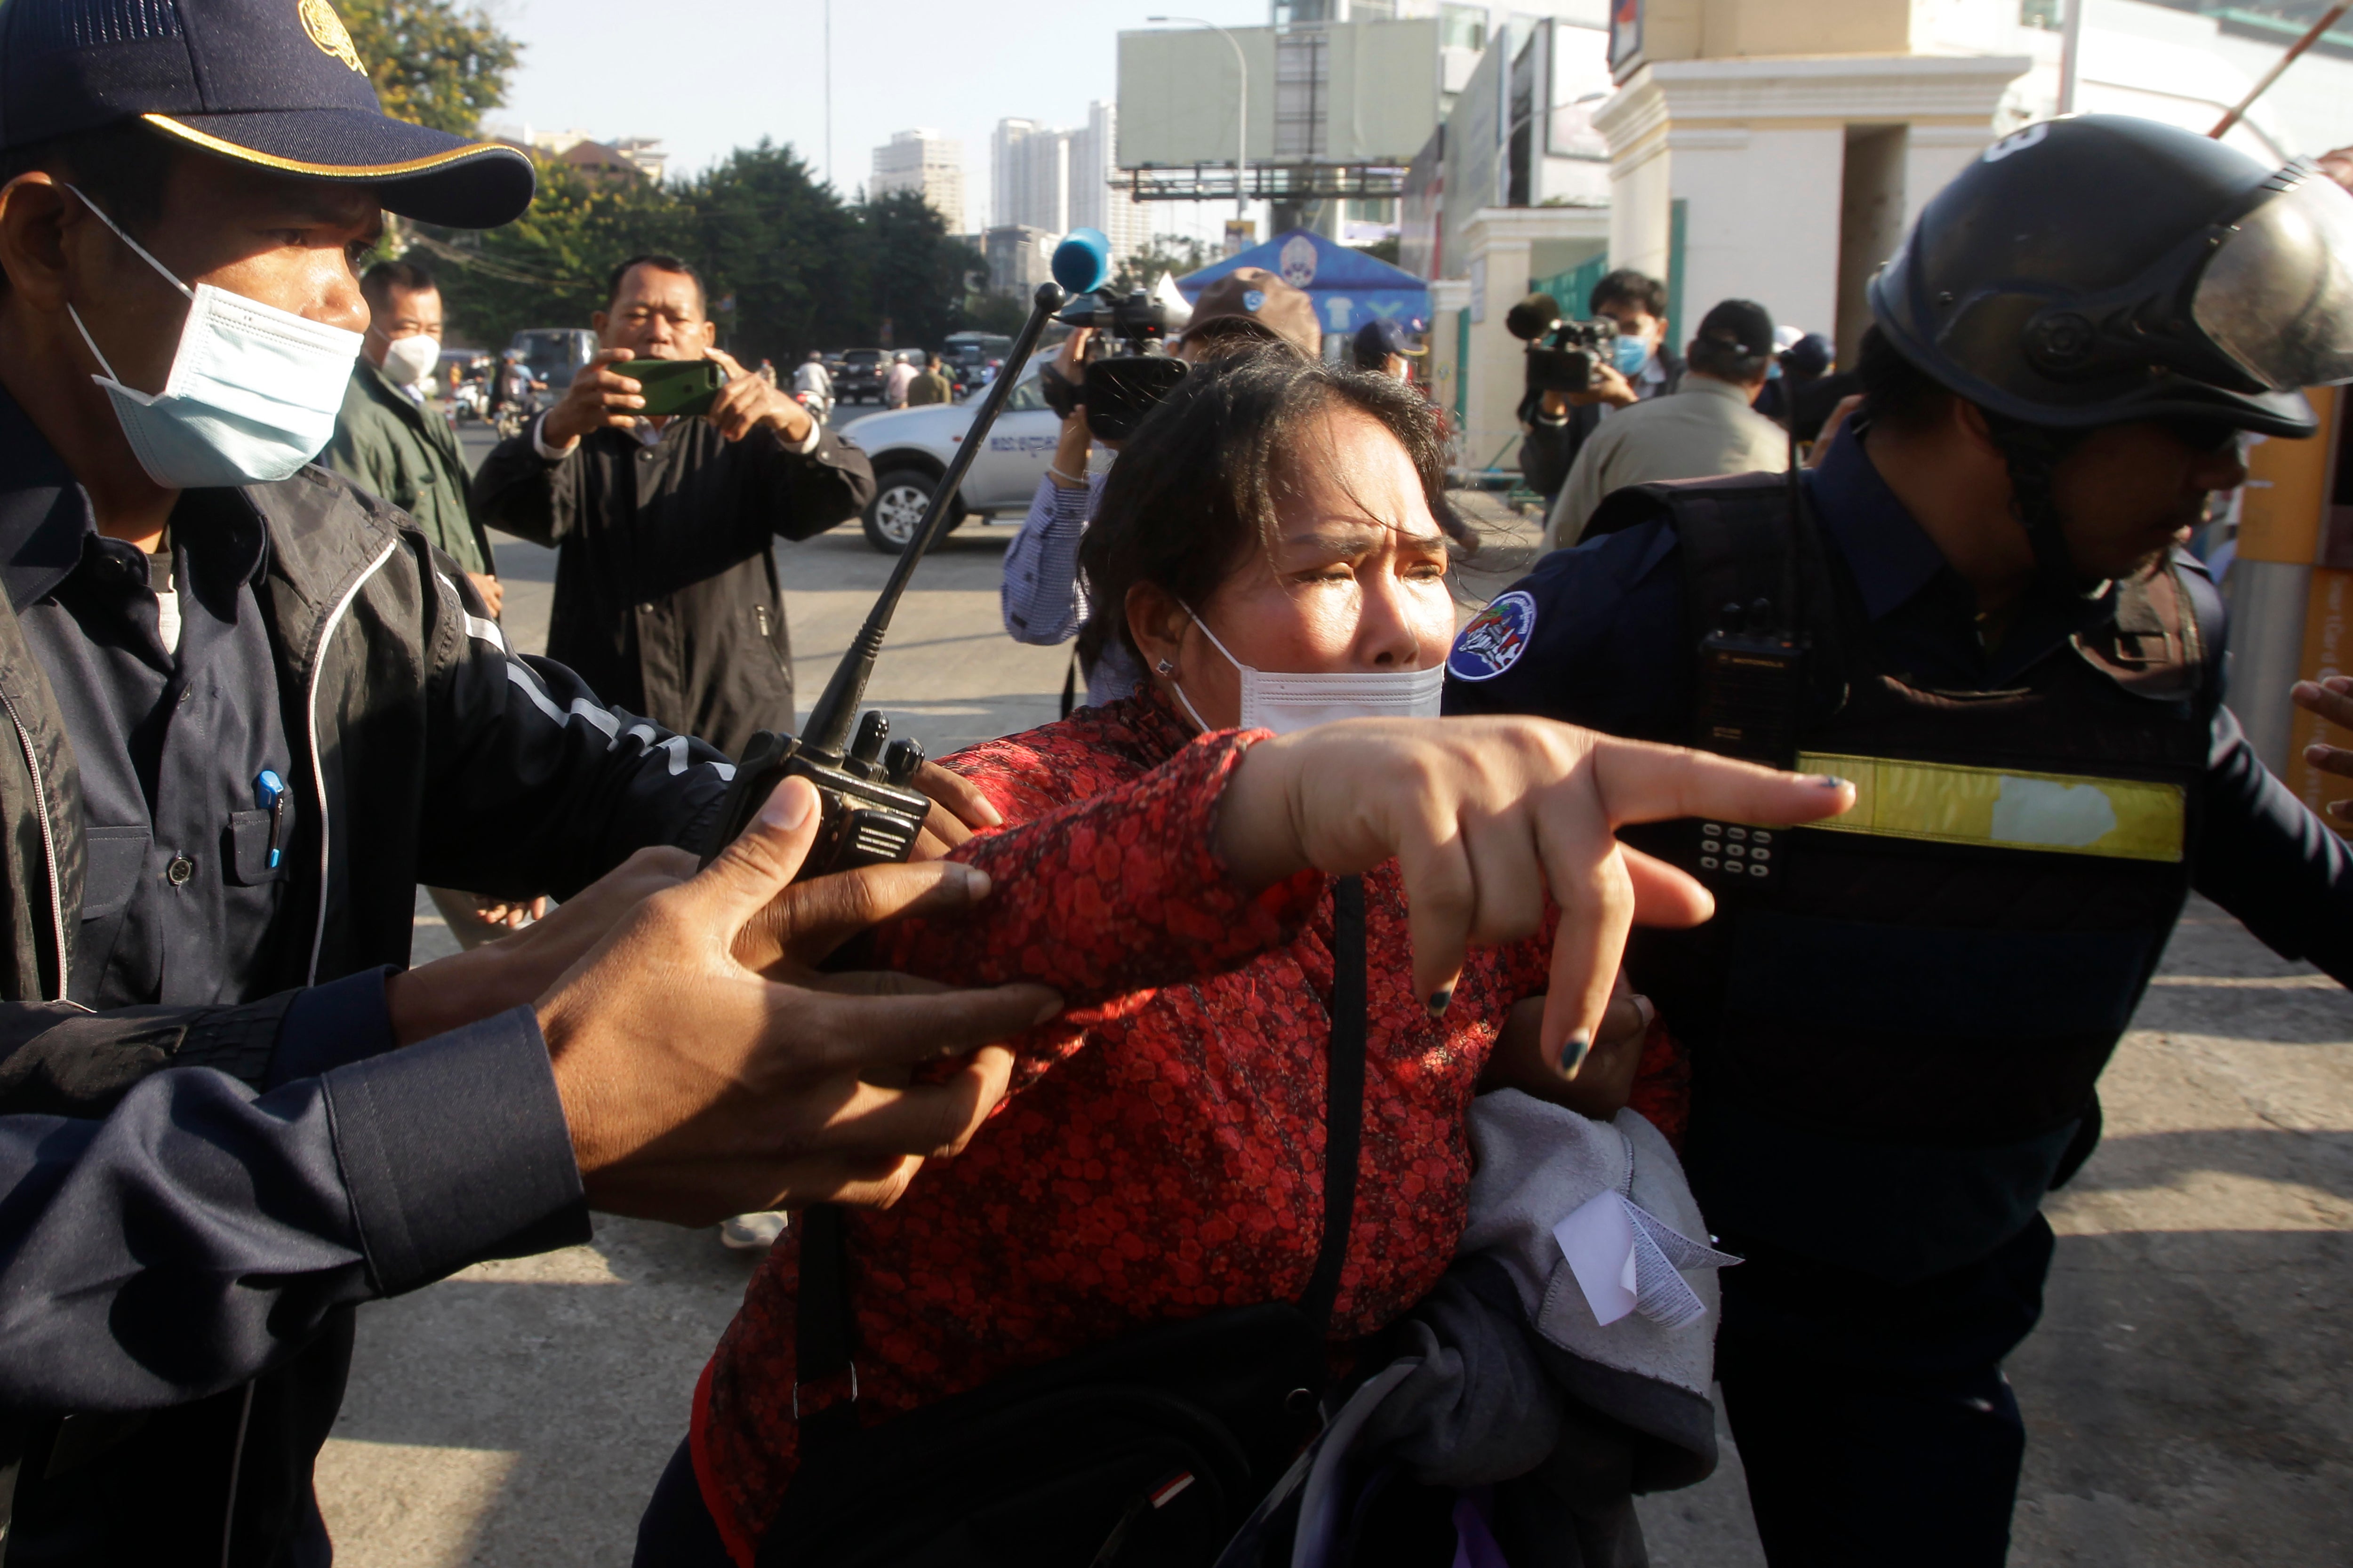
[
  {"x": 273, "y": 83},
  {"x": 1375, "y": 341}
]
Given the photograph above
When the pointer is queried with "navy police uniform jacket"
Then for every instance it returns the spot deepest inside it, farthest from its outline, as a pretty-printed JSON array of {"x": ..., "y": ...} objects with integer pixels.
[{"x": 1894, "y": 1048}]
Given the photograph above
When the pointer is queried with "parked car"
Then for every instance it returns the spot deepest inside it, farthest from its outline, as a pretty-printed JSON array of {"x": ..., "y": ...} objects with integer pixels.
[
  {"x": 861, "y": 377},
  {"x": 910, "y": 449},
  {"x": 554, "y": 354}
]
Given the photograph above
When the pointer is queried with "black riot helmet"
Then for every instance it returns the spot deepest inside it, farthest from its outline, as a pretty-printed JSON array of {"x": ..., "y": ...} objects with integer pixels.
[{"x": 2102, "y": 268}]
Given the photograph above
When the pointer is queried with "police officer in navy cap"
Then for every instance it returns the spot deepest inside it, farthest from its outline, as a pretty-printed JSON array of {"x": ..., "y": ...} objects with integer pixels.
[
  {"x": 245, "y": 708},
  {"x": 1975, "y": 609}
]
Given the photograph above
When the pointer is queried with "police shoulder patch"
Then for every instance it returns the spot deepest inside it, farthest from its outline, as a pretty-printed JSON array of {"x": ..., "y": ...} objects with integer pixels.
[{"x": 1495, "y": 637}]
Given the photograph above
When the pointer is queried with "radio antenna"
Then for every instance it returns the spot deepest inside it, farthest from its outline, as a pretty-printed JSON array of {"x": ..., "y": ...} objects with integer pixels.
[{"x": 830, "y": 720}]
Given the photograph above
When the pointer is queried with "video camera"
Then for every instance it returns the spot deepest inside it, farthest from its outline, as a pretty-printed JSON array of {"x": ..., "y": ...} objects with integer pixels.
[
  {"x": 1561, "y": 354},
  {"x": 871, "y": 808},
  {"x": 1123, "y": 384}
]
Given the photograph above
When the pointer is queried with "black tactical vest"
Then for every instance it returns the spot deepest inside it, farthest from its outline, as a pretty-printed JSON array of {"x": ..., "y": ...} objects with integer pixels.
[{"x": 1947, "y": 970}]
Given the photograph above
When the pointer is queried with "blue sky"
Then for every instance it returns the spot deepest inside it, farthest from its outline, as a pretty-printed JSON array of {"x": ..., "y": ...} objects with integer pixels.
[{"x": 709, "y": 75}]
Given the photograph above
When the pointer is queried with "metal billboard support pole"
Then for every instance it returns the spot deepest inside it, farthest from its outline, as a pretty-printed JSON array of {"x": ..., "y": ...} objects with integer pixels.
[{"x": 2071, "y": 54}]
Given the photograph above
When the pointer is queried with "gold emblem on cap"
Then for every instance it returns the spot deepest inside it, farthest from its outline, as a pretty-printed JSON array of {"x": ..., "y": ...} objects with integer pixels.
[{"x": 327, "y": 31}]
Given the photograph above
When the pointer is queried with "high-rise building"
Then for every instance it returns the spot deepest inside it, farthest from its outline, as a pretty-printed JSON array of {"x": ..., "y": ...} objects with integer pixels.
[
  {"x": 1095, "y": 202},
  {"x": 1030, "y": 177},
  {"x": 930, "y": 164}
]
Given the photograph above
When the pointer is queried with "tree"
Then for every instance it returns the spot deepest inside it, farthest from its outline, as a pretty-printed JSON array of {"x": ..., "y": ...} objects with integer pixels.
[
  {"x": 992, "y": 312},
  {"x": 1175, "y": 253},
  {"x": 762, "y": 227},
  {"x": 805, "y": 271},
  {"x": 548, "y": 267},
  {"x": 914, "y": 270},
  {"x": 432, "y": 63}
]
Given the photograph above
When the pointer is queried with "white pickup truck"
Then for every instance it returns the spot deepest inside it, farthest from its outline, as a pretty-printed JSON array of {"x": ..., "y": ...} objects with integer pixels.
[{"x": 911, "y": 448}]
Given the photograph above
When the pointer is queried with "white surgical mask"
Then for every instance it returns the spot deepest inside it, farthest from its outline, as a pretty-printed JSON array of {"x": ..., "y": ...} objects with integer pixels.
[
  {"x": 407, "y": 360},
  {"x": 252, "y": 396},
  {"x": 1283, "y": 703}
]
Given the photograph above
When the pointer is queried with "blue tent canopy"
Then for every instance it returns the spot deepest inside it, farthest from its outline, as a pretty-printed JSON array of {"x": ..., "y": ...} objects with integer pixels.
[{"x": 1348, "y": 286}]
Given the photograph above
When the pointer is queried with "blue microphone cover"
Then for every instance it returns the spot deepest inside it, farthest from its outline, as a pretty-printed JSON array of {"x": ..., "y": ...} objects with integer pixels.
[{"x": 1082, "y": 261}]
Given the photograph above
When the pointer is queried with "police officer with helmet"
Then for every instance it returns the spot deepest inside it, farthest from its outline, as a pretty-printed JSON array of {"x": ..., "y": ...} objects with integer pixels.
[{"x": 1975, "y": 608}]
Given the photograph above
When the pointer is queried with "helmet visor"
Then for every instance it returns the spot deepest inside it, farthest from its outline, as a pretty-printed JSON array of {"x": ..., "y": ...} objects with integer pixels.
[{"x": 2278, "y": 296}]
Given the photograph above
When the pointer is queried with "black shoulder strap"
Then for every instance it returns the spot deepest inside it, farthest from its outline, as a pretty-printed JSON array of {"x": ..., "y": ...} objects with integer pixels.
[
  {"x": 1344, "y": 1096},
  {"x": 1739, "y": 542},
  {"x": 821, "y": 1354},
  {"x": 822, "y": 1339}
]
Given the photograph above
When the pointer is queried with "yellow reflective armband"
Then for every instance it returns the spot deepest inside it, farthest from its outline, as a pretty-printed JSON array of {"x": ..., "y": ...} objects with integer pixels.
[{"x": 2067, "y": 814}]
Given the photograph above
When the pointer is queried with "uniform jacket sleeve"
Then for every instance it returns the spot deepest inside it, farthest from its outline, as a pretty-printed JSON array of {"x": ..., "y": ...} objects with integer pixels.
[
  {"x": 538, "y": 775},
  {"x": 2269, "y": 861},
  {"x": 200, "y": 1233}
]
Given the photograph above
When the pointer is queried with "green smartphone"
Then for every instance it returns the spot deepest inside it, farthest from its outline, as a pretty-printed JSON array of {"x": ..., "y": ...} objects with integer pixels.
[{"x": 674, "y": 387}]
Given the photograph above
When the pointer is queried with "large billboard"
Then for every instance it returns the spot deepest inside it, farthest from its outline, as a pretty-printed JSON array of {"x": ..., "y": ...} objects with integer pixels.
[{"x": 1377, "y": 95}]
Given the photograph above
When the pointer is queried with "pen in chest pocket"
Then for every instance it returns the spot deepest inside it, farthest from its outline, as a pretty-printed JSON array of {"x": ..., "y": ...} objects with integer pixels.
[{"x": 269, "y": 796}]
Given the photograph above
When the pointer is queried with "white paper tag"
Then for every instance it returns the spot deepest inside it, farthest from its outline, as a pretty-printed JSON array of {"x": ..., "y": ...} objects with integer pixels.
[
  {"x": 1597, "y": 1239},
  {"x": 1628, "y": 1259}
]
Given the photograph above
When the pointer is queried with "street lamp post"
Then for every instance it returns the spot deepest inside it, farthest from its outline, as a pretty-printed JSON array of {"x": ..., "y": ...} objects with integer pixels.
[{"x": 1241, "y": 110}]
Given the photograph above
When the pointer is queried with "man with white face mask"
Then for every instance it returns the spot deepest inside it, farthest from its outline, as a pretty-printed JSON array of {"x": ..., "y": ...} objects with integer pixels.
[
  {"x": 245, "y": 708},
  {"x": 389, "y": 440}
]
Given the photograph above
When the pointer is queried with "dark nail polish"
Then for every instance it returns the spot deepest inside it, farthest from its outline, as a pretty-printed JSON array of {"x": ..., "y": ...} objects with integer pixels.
[
  {"x": 1439, "y": 1000},
  {"x": 1573, "y": 1052},
  {"x": 1830, "y": 781}
]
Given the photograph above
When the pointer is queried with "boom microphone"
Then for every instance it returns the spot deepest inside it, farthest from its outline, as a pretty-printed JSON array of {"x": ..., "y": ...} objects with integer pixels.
[
  {"x": 1533, "y": 317},
  {"x": 871, "y": 810}
]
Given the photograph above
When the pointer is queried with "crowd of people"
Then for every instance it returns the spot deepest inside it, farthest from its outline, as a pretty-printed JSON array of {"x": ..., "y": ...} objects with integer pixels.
[{"x": 1302, "y": 1104}]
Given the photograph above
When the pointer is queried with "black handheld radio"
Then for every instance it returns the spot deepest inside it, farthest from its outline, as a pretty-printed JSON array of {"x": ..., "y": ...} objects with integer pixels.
[
  {"x": 1750, "y": 691},
  {"x": 871, "y": 810}
]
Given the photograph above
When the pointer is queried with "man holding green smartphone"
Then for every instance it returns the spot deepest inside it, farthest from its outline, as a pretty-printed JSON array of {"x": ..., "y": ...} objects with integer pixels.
[{"x": 665, "y": 497}]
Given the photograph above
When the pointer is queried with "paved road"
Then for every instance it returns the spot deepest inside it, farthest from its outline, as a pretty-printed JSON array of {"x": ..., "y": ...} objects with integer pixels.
[{"x": 2188, "y": 1394}]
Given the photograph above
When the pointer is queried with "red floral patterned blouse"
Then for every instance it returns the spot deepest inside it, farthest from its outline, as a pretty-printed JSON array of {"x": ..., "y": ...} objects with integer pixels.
[{"x": 1161, "y": 1155}]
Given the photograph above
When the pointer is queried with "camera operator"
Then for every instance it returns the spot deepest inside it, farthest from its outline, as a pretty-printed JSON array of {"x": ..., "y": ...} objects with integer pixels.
[
  {"x": 1559, "y": 424},
  {"x": 667, "y": 598},
  {"x": 1248, "y": 309},
  {"x": 1707, "y": 429}
]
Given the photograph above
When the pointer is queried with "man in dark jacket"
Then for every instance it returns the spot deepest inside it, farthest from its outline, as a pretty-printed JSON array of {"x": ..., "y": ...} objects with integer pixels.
[
  {"x": 667, "y": 598},
  {"x": 249, "y": 708}
]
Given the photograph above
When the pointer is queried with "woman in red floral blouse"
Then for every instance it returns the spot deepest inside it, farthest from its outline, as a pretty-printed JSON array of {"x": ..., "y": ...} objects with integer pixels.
[{"x": 1161, "y": 1154}]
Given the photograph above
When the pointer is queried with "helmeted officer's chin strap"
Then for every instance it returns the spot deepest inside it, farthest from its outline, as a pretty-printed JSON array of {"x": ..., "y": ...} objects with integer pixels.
[{"x": 2032, "y": 454}]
